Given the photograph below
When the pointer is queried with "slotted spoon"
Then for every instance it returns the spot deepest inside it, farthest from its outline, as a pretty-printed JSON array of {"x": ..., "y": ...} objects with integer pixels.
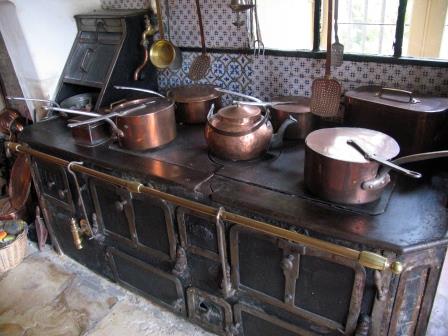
[
  {"x": 326, "y": 92},
  {"x": 201, "y": 64}
]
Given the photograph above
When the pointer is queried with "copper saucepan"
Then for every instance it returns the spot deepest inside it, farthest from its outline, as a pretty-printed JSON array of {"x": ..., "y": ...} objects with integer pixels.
[
  {"x": 241, "y": 132},
  {"x": 351, "y": 165},
  {"x": 145, "y": 123}
]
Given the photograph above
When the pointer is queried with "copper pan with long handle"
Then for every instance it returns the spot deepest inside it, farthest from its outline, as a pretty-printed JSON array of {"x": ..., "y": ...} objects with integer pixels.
[{"x": 350, "y": 165}]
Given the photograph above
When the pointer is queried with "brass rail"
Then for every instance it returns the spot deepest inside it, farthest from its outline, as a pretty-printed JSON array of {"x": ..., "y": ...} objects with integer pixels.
[{"x": 365, "y": 258}]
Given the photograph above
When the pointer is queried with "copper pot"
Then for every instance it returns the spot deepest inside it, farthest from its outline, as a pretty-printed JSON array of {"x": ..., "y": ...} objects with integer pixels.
[
  {"x": 194, "y": 101},
  {"x": 241, "y": 132},
  {"x": 342, "y": 164},
  {"x": 299, "y": 109},
  {"x": 150, "y": 127},
  {"x": 141, "y": 124}
]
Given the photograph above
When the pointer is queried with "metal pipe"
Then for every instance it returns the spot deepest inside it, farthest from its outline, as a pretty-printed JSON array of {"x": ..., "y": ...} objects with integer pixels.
[{"x": 365, "y": 258}]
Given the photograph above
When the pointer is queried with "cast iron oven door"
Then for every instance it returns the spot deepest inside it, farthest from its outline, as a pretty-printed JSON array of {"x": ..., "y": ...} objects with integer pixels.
[
  {"x": 317, "y": 286},
  {"x": 140, "y": 221},
  {"x": 147, "y": 280}
]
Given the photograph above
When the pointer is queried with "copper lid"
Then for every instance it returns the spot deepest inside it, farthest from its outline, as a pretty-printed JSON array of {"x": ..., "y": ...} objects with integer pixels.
[
  {"x": 20, "y": 182},
  {"x": 399, "y": 100},
  {"x": 332, "y": 143},
  {"x": 236, "y": 118},
  {"x": 158, "y": 104},
  {"x": 302, "y": 104},
  {"x": 194, "y": 93}
]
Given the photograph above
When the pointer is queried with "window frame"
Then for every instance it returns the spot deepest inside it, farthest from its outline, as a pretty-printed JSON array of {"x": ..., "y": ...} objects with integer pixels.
[{"x": 316, "y": 53}]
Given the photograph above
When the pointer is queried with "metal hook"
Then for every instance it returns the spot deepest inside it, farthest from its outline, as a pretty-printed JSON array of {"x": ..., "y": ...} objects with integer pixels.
[
  {"x": 80, "y": 199},
  {"x": 219, "y": 214}
]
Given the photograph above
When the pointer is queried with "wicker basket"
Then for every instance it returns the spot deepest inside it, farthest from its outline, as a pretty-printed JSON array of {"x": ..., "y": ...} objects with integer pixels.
[{"x": 13, "y": 254}]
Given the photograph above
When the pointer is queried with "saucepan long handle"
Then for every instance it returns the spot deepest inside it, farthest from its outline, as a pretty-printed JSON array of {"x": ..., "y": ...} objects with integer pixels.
[
  {"x": 87, "y": 114},
  {"x": 118, "y": 87},
  {"x": 373, "y": 157}
]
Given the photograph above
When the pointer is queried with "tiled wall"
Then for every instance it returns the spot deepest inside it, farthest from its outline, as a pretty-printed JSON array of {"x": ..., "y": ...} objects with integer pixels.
[{"x": 267, "y": 76}]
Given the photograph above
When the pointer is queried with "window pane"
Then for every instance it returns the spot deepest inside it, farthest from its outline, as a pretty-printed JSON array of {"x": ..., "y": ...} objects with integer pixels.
[
  {"x": 425, "y": 33},
  {"x": 364, "y": 26},
  {"x": 295, "y": 17}
]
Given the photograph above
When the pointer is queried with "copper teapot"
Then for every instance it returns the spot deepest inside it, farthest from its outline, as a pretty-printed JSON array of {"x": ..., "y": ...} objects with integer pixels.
[{"x": 242, "y": 132}]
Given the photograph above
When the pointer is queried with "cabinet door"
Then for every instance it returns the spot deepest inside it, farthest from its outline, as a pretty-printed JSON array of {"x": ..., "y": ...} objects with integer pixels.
[
  {"x": 92, "y": 57},
  {"x": 53, "y": 183},
  {"x": 92, "y": 254},
  {"x": 320, "y": 287}
]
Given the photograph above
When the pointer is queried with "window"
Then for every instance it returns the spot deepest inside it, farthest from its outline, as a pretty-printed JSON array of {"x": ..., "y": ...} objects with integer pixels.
[
  {"x": 364, "y": 26},
  {"x": 388, "y": 28},
  {"x": 425, "y": 29},
  {"x": 292, "y": 16}
]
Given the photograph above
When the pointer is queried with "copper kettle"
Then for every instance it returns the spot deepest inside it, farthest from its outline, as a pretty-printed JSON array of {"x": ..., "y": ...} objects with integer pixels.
[{"x": 242, "y": 132}]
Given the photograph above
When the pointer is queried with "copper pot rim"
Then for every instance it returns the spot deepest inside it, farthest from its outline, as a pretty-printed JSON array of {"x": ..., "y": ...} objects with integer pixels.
[
  {"x": 191, "y": 97},
  {"x": 332, "y": 144},
  {"x": 143, "y": 112}
]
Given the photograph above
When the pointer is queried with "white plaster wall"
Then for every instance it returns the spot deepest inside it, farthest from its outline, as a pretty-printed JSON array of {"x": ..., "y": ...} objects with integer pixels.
[{"x": 38, "y": 35}]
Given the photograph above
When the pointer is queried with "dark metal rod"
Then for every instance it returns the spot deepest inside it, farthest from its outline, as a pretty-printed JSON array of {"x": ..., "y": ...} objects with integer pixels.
[{"x": 399, "y": 31}]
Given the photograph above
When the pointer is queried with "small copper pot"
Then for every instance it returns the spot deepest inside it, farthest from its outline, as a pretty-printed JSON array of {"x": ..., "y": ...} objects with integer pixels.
[
  {"x": 299, "y": 110},
  {"x": 194, "y": 101}
]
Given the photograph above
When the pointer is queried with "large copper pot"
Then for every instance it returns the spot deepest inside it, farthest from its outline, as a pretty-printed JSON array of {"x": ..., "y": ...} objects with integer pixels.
[
  {"x": 342, "y": 164},
  {"x": 194, "y": 101},
  {"x": 241, "y": 132}
]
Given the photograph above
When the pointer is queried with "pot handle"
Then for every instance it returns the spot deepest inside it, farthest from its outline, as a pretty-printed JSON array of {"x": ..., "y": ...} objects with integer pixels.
[
  {"x": 87, "y": 114},
  {"x": 233, "y": 93},
  {"x": 277, "y": 138},
  {"x": 390, "y": 165},
  {"x": 118, "y": 87},
  {"x": 210, "y": 112},
  {"x": 412, "y": 100}
]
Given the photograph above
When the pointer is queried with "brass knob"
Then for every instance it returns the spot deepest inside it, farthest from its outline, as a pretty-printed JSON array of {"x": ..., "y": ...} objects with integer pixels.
[{"x": 396, "y": 267}]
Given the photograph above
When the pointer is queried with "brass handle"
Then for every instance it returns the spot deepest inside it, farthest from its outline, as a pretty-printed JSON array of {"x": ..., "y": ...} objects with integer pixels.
[
  {"x": 77, "y": 240},
  {"x": 365, "y": 258},
  {"x": 412, "y": 100}
]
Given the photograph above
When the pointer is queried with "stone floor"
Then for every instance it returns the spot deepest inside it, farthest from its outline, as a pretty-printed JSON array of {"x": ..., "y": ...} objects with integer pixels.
[{"x": 48, "y": 295}]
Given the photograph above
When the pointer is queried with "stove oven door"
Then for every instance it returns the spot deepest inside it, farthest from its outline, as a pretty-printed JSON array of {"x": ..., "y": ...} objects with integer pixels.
[
  {"x": 113, "y": 208},
  {"x": 147, "y": 280},
  {"x": 204, "y": 244},
  {"x": 139, "y": 221},
  {"x": 323, "y": 292}
]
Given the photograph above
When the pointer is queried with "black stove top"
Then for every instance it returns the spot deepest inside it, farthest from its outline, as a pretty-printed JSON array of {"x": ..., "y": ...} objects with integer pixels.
[{"x": 280, "y": 170}]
